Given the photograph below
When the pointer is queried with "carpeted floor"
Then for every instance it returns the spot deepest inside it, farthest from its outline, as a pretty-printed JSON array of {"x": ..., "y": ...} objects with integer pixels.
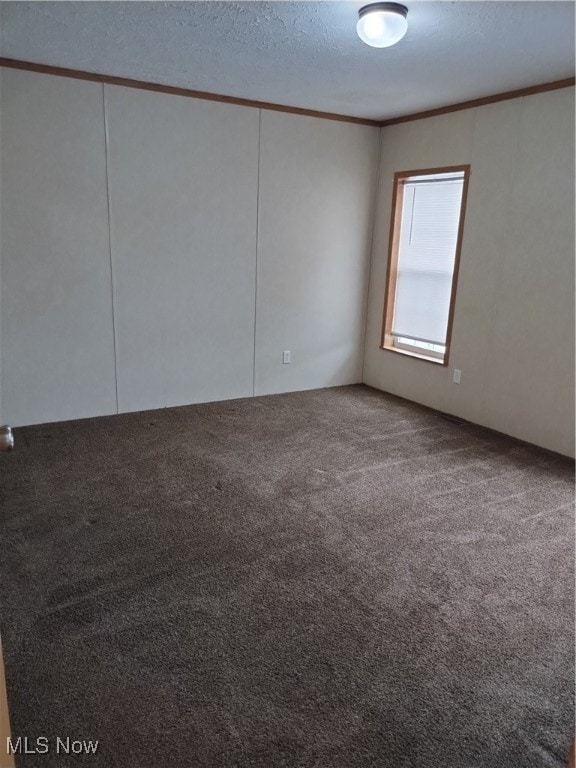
[{"x": 326, "y": 579}]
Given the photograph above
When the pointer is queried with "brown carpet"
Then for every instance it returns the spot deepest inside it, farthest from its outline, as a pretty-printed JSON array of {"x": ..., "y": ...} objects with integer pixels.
[{"x": 327, "y": 579}]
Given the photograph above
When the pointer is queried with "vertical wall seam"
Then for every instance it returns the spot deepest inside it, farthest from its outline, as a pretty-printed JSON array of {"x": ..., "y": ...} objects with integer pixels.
[
  {"x": 109, "y": 207},
  {"x": 376, "y": 193},
  {"x": 481, "y": 397},
  {"x": 256, "y": 255}
]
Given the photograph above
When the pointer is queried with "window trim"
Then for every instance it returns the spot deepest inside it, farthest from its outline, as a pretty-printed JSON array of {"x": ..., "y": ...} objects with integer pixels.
[{"x": 387, "y": 338}]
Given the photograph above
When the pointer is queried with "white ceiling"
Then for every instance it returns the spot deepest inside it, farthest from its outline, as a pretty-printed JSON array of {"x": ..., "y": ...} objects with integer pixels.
[{"x": 303, "y": 54}]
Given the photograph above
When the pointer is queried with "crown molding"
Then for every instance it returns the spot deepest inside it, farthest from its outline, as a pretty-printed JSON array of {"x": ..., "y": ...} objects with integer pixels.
[{"x": 95, "y": 77}]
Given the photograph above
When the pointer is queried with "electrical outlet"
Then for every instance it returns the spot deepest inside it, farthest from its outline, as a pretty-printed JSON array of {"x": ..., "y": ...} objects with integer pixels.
[
  {"x": 286, "y": 357},
  {"x": 457, "y": 375}
]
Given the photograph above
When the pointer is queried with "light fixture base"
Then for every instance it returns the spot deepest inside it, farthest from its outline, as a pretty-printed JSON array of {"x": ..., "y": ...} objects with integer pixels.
[{"x": 393, "y": 7}]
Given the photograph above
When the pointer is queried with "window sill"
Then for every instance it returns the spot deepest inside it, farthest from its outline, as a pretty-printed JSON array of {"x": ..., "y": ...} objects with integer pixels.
[{"x": 417, "y": 355}]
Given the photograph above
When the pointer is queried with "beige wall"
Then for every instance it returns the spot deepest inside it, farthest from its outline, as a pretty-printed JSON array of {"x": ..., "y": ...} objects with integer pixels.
[
  {"x": 57, "y": 351},
  {"x": 315, "y": 218},
  {"x": 158, "y": 250},
  {"x": 183, "y": 179},
  {"x": 138, "y": 270},
  {"x": 513, "y": 333}
]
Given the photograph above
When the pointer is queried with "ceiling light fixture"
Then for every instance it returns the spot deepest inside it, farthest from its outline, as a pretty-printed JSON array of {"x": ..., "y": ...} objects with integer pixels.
[{"x": 382, "y": 24}]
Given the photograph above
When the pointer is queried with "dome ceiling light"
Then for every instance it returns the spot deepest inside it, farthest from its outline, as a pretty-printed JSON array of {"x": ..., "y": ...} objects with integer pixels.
[{"x": 382, "y": 24}]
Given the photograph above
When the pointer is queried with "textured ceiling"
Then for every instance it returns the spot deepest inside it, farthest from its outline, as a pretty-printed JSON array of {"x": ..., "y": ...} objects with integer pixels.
[{"x": 303, "y": 54}]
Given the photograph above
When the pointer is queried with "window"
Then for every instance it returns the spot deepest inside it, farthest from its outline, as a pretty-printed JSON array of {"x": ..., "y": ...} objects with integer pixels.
[{"x": 425, "y": 239}]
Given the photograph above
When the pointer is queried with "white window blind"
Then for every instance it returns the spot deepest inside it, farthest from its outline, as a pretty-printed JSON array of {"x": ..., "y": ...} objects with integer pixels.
[{"x": 426, "y": 256}]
